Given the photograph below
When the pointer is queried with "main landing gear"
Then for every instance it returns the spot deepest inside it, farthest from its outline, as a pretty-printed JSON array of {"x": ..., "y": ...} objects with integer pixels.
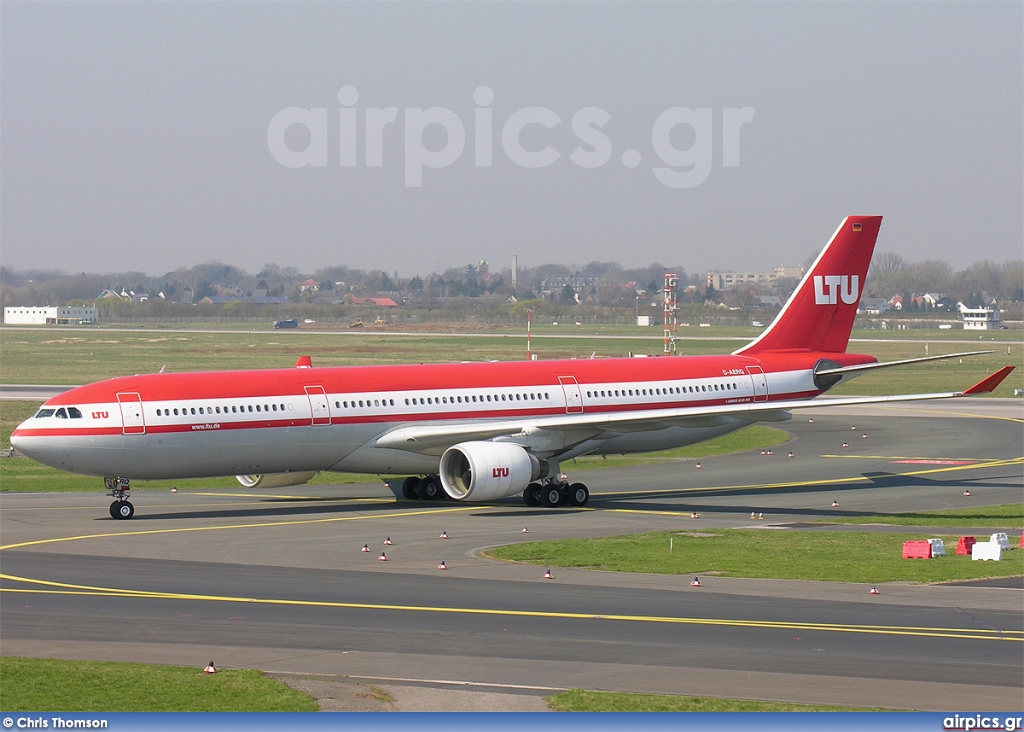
[
  {"x": 120, "y": 488},
  {"x": 427, "y": 488},
  {"x": 551, "y": 493}
]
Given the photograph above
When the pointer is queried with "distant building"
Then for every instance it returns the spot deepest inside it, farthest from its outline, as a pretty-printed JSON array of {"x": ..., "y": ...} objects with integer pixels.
[
  {"x": 381, "y": 302},
  {"x": 73, "y": 315},
  {"x": 729, "y": 280},
  {"x": 979, "y": 318},
  {"x": 873, "y": 305}
]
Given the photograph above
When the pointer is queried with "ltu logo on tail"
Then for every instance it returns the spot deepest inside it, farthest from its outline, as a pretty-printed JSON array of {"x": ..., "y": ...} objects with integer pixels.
[
  {"x": 829, "y": 288},
  {"x": 499, "y": 472}
]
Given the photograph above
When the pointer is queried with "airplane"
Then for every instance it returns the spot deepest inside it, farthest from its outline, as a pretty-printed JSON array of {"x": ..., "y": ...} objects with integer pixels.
[{"x": 469, "y": 431}]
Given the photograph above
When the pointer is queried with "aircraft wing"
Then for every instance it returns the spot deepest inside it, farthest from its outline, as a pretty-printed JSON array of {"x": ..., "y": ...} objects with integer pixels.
[{"x": 570, "y": 429}]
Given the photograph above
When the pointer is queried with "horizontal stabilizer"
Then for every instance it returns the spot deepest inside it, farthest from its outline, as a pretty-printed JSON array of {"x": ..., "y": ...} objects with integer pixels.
[{"x": 869, "y": 366}]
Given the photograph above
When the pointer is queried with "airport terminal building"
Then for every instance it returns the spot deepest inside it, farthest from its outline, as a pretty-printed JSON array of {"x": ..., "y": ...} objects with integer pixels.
[{"x": 50, "y": 316}]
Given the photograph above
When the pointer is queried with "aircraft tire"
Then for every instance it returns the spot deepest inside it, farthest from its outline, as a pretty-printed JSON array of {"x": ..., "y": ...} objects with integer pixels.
[
  {"x": 429, "y": 490},
  {"x": 125, "y": 510},
  {"x": 579, "y": 494},
  {"x": 551, "y": 496},
  {"x": 409, "y": 488},
  {"x": 113, "y": 509},
  {"x": 531, "y": 496}
]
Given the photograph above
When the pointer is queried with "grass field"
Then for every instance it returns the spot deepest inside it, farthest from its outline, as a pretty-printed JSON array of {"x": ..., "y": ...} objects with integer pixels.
[
  {"x": 580, "y": 700},
  {"x": 835, "y": 556},
  {"x": 1010, "y": 515},
  {"x": 38, "y": 684},
  {"x": 42, "y": 684},
  {"x": 79, "y": 356}
]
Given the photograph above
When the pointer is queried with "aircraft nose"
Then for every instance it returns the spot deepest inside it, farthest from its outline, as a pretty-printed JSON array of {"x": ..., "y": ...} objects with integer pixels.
[{"x": 18, "y": 438}]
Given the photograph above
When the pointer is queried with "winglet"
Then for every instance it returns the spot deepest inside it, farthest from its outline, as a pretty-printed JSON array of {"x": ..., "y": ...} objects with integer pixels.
[
  {"x": 304, "y": 362},
  {"x": 990, "y": 383}
]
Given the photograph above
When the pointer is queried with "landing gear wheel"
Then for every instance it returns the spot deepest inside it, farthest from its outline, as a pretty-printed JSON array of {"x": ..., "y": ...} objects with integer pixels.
[
  {"x": 113, "y": 509},
  {"x": 409, "y": 488},
  {"x": 551, "y": 496},
  {"x": 531, "y": 496},
  {"x": 122, "y": 509},
  {"x": 429, "y": 490},
  {"x": 579, "y": 494}
]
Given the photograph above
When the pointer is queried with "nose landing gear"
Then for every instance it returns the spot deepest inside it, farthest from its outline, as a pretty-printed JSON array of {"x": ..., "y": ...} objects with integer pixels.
[{"x": 120, "y": 488}]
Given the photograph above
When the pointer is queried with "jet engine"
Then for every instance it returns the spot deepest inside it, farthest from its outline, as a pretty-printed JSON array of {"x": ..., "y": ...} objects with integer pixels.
[
  {"x": 274, "y": 480},
  {"x": 487, "y": 471}
]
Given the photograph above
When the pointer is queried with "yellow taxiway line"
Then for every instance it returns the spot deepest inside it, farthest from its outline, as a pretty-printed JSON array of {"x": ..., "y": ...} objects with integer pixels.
[{"x": 62, "y": 588}]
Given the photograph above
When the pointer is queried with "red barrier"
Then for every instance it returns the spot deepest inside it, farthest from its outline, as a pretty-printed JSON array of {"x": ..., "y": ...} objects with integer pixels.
[
  {"x": 964, "y": 545},
  {"x": 917, "y": 550}
]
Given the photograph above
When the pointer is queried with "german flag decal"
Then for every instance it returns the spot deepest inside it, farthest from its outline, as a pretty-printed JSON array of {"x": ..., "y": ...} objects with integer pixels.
[{"x": 856, "y": 227}]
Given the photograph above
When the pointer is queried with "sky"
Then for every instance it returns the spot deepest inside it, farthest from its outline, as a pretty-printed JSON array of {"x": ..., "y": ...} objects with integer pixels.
[{"x": 416, "y": 137}]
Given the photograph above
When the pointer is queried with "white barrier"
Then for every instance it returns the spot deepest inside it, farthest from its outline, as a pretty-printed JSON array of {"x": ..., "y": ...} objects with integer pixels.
[
  {"x": 987, "y": 550},
  {"x": 938, "y": 548},
  {"x": 1001, "y": 540}
]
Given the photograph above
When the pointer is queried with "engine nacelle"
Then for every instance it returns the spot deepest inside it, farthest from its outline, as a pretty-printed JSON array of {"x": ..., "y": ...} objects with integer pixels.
[
  {"x": 275, "y": 480},
  {"x": 487, "y": 471}
]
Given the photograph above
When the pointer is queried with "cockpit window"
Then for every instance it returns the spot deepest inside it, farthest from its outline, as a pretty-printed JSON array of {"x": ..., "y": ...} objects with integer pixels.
[
  {"x": 45, "y": 413},
  {"x": 62, "y": 413},
  {"x": 74, "y": 412}
]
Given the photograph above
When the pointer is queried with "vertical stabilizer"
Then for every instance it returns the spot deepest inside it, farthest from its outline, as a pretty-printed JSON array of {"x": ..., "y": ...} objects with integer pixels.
[{"x": 819, "y": 315}]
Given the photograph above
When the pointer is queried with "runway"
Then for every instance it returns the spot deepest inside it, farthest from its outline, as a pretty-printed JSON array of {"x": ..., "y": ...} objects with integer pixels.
[{"x": 277, "y": 581}]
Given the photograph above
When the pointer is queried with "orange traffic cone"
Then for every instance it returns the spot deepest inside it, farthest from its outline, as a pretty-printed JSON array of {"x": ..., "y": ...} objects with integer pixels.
[
  {"x": 444, "y": 534},
  {"x": 1022, "y": 539},
  {"x": 695, "y": 583},
  {"x": 210, "y": 669},
  {"x": 442, "y": 565},
  {"x": 387, "y": 542},
  {"x": 366, "y": 548},
  {"x": 383, "y": 557},
  {"x": 548, "y": 575},
  {"x": 873, "y": 591}
]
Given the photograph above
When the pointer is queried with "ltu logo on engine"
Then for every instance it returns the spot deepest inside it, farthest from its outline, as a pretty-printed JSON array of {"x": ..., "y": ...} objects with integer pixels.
[
  {"x": 499, "y": 472},
  {"x": 828, "y": 289}
]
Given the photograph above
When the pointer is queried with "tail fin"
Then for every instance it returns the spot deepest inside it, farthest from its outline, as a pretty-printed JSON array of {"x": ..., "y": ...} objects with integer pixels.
[{"x": 819, "y": 315}]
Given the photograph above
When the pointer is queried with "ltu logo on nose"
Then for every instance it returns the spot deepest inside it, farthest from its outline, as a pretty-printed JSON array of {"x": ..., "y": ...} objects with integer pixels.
[
  {"x": 829, "y": 288},
  {"x": 499, "y": 472}
]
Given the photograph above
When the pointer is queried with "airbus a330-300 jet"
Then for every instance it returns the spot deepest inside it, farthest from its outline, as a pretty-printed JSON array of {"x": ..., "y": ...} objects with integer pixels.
[{"x": 471, "y": 431}]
